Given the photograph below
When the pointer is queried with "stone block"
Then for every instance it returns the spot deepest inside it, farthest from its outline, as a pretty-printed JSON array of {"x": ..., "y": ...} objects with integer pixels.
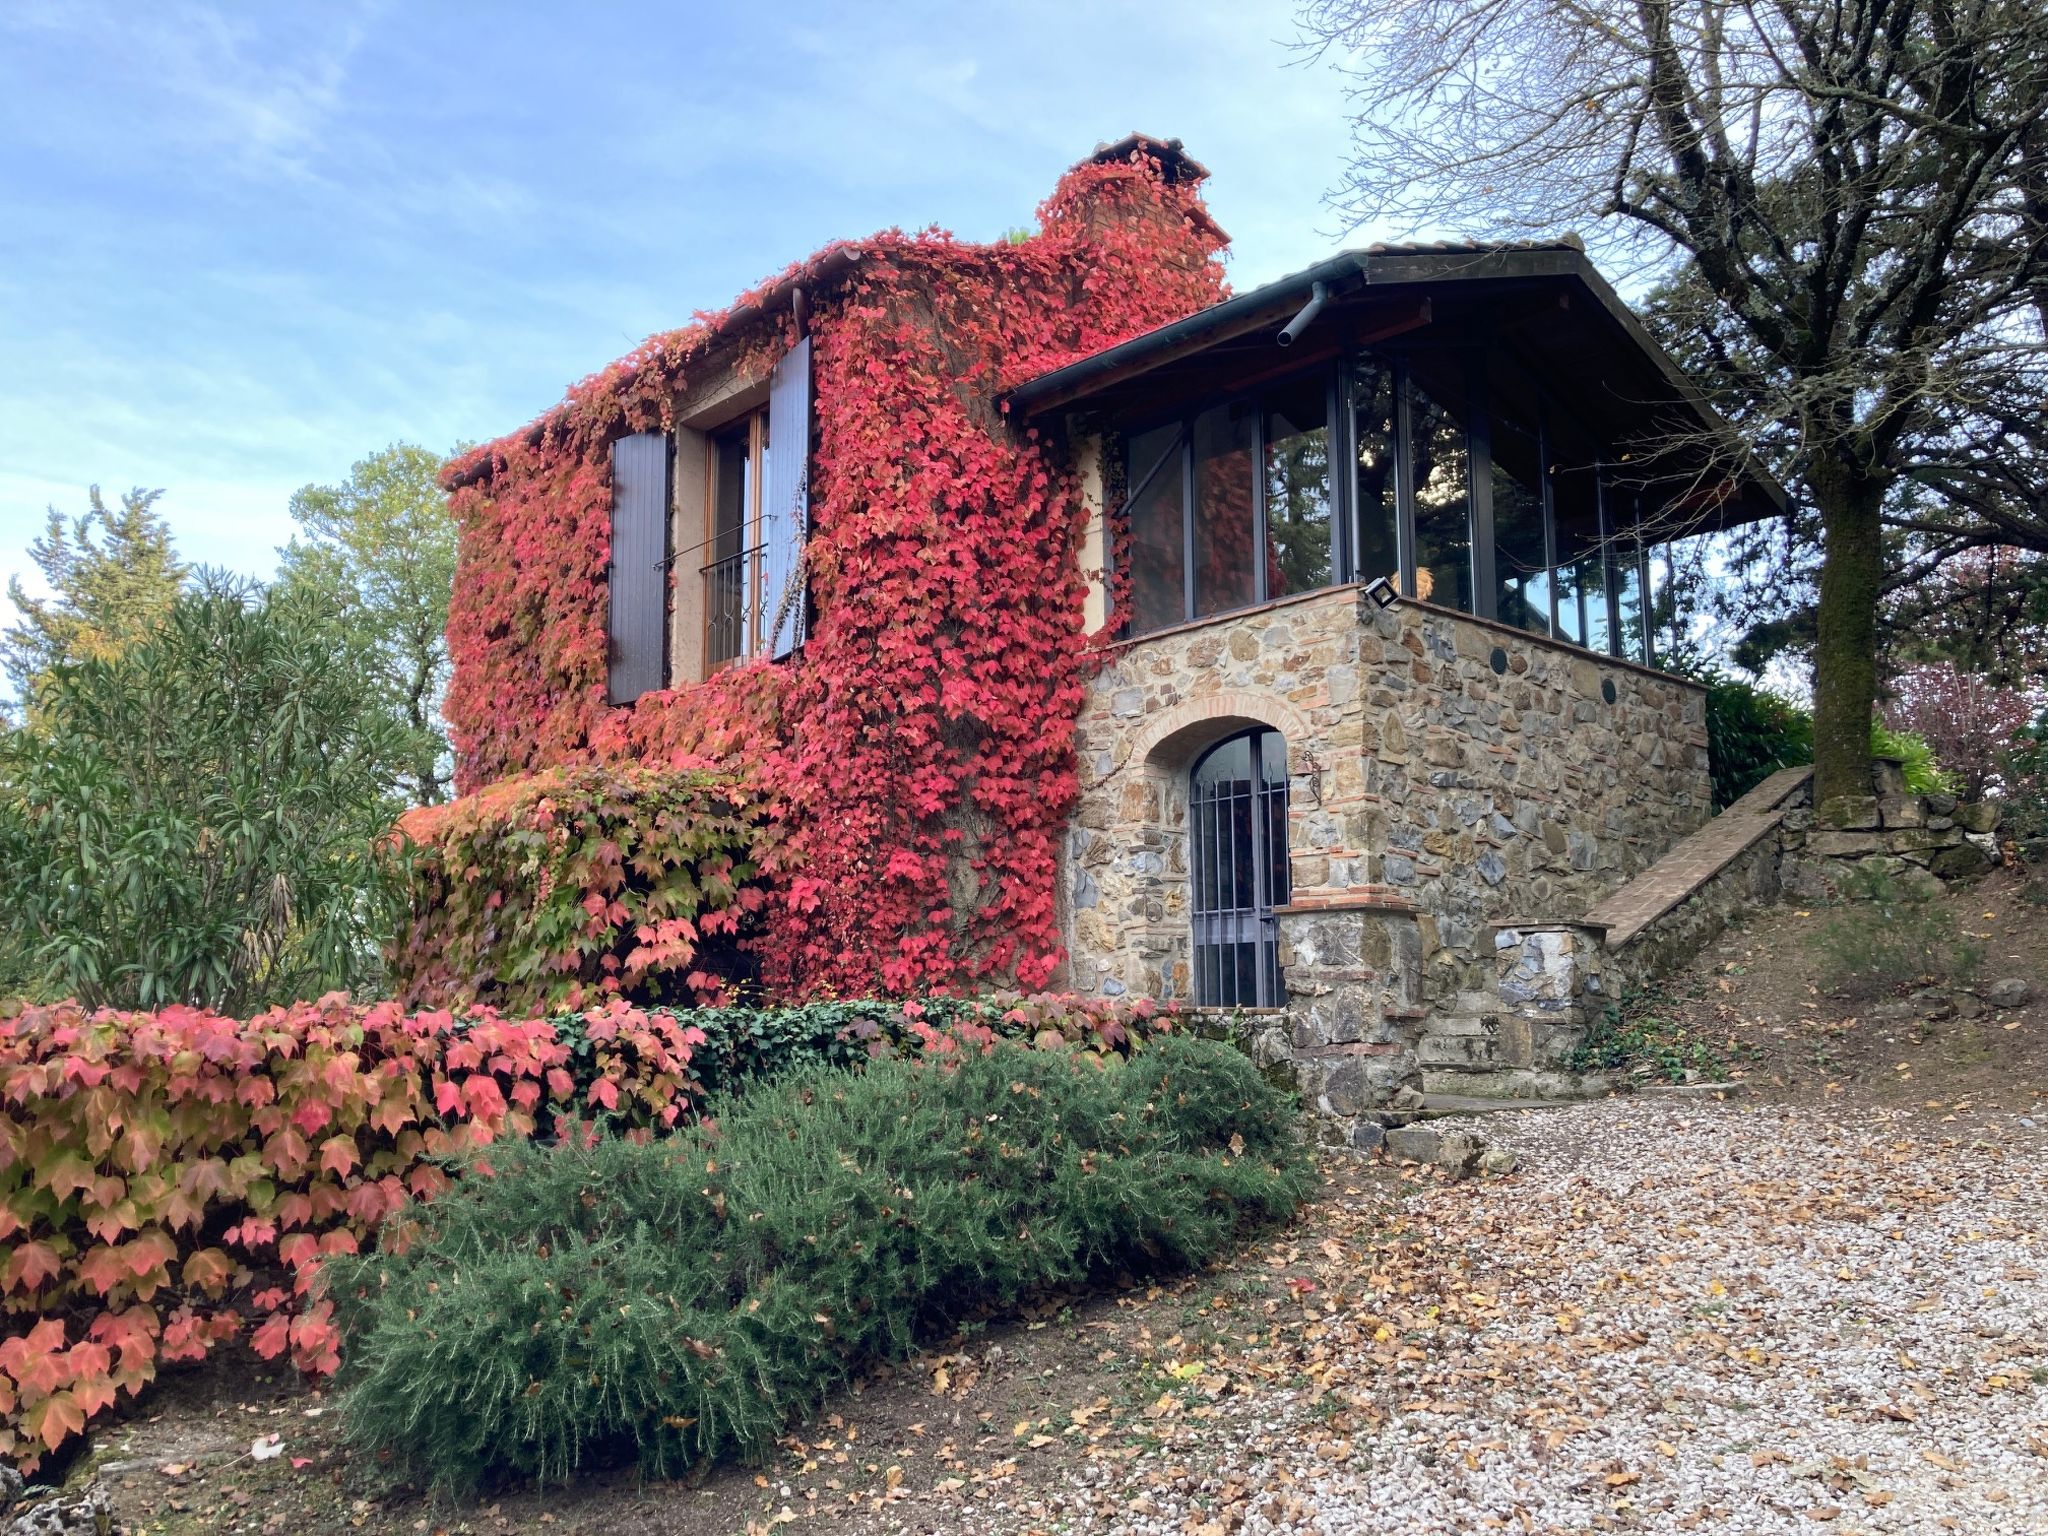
[
  {"x": 1902, "y": 811},
  {"x": 1850, "y": 812},
  {"x": 1847, "y": 845},
  {"x": 1414, "y": 1143},
  {"x": 1964, "y": 861},
  {"x": 1979, "y": 816}
]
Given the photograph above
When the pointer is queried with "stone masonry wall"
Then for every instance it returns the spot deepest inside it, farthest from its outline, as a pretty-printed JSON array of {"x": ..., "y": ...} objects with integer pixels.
[
  {"x": 1445, "y": 774},
  {"x": 1916, "y": 842},
  {"x": 1442, "y": 766}
]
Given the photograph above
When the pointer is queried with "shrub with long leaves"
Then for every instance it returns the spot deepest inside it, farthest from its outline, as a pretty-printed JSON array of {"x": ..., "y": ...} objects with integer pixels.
[
  {"x": 680, "y": 1301},
  {"x": 193, "y": 819}
]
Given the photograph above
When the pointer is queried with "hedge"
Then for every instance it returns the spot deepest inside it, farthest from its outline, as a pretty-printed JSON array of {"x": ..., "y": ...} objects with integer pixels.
[
  {"x": 745, "y": 1044},
  {"x": 565, "y": 888},
  {"x": 168, "y": 1179},
  {"x": 681, "y": 1301}
]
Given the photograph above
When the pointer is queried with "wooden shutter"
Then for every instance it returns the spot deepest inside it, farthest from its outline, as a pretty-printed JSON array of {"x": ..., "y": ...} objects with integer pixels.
[
  {"x": 639, "y": 569},
  {"x": 785, "y": 516}
]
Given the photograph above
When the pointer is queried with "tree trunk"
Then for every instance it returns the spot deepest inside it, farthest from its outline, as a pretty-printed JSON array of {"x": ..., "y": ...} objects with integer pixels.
[{"x": 1845, "y": 654}]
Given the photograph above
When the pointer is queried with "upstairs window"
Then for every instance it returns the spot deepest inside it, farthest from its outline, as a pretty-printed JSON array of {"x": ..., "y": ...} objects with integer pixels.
[
  {"x": 757, "y": 515},
  {"x": 732, "y": 573},
  {"x": 1231, "y": 506},
  {"x": 1521, "y": 543},
  {"x": 1300, "y": 517},
  {"x": 1440, "y": 474},
  {"x": 1376, "y": 476}
]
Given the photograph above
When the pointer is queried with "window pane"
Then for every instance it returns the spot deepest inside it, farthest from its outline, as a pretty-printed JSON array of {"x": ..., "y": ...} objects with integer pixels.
[
  {"x": 1628, "y": 586},
  {"x": 1372, "y": 405},
  {"x": 1521, "y": 570},
  {"x": 1443, "y": 504},
  {"x": 1158, "y": 537},
  {"x": 1658, "y": 609},
  {"x": 1581, "y": 576},
  {"x": 1298, "y": 553},
  {"x": 1225, "y": 440},
  {"x": 729, "y": 497}
]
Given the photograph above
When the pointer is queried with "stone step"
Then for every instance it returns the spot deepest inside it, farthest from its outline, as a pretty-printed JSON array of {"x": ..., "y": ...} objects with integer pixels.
[
  {"x": 1448, "y": 1106},
  {"x": 1496, "y": 1043},
  {"x": 1518, "y": 1084}
]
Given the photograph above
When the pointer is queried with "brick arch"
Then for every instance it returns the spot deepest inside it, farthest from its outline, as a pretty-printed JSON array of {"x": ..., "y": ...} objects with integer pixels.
[{"x": 1176, "y": 736}]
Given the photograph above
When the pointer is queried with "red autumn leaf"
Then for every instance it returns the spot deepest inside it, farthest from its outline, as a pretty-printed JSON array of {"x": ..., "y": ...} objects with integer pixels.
[
  {"x": 101, "y": 1269},
  {"x": 210, "y": 1270},
  {"x": 54, "y": 1420},
  {"x": 272, "y": 1337},
  {"x": 338, "y": 1155},
  {"x": 29, "y": 1266}
]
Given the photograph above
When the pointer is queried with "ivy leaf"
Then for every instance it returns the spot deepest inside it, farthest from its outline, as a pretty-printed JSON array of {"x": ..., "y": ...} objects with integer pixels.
[{"x": 29, "y": 1266}]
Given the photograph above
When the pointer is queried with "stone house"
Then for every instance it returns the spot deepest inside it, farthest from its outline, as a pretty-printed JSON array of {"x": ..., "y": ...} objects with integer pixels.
[{"x": 1369, "y": 555}]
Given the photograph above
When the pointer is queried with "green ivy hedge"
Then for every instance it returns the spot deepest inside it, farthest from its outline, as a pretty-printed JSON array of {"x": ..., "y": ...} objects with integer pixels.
[
  {"x": 1753, "y": 732},
  {"x": 679, "y": 1301}
]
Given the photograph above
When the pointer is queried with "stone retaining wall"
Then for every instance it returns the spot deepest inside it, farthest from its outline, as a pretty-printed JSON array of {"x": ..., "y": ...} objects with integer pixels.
[{"x": 1918, "y": 842}]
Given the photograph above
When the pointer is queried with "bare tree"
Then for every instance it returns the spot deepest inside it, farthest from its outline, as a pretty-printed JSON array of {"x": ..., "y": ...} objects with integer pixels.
[{"x": 1846, "y": 197}]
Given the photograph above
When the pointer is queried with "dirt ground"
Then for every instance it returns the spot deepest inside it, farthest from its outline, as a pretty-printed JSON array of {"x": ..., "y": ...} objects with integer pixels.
[
  {"x": 1277, "y": 1393},
  {"x": 1753, "y": 993}
]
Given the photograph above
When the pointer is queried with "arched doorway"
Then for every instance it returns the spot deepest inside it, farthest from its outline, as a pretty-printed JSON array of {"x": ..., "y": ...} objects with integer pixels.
[{"x": 1237, "y": 868}]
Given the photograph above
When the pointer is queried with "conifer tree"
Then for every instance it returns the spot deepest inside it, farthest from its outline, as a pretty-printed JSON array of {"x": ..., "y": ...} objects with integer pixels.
[{"x": 113, "y": 575}]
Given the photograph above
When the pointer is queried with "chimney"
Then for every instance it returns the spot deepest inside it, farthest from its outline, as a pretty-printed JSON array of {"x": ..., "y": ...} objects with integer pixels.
[{"x": 1160, "y": 187}]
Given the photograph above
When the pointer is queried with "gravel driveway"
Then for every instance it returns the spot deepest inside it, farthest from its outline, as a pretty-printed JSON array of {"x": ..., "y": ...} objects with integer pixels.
[{"x": 1674, "y": 1316}]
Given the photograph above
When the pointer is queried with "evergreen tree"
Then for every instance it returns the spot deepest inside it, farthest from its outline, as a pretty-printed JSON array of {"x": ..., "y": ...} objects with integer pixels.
[{"x": 113, "y": 575}]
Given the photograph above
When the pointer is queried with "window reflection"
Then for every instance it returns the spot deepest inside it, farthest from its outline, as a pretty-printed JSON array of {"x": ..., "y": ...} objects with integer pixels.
[
  {"x": 1581, "y": 563},
  {"x": 1443, "y": 504},
  {"x": 1628, "y": 589},
  {"x": 1158, "y": 592},
  {"x": 1299, "y": 556},
  {"x": 1226, "y": 442},
  {"x": 1372, "y": 405},
  {"x": 1520, "y": 562},
  {"x": 1240, "y": 502}
]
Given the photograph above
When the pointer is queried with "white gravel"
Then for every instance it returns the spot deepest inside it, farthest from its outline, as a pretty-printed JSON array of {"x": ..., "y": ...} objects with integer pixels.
[{"x": 1674, "y": 1316}]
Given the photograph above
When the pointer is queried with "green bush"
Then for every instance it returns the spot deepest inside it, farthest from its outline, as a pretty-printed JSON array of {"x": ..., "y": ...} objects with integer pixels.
[
  {"x": 747, "y": 1044},
  {"x": 2024, "y": 772},
  {"x": 1886, "y": 936},
  {"x": 192, "y": 820},
  {"x": 1634, "y": 1034},
  {"x": 1751, "y": 734},
  {"x": 1916, "y": 759},
  {"x": 680, "y": 1301}
]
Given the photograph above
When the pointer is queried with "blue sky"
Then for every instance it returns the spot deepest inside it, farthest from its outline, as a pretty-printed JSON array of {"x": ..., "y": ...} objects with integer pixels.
[{"x": 245, "y": 245}]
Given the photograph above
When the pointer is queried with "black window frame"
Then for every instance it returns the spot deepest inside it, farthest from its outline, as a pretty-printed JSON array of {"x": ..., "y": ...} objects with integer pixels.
[
  {"x": 1336, "y": 406},
  {"x": 1621, "y": 543}
]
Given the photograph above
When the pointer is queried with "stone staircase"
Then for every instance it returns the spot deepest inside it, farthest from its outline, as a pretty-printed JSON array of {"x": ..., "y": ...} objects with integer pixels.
[{"x": 1552, "y": 979}]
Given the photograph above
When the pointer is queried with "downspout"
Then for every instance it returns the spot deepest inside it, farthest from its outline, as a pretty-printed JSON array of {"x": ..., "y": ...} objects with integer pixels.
[{"x": 1317, "y": 294}]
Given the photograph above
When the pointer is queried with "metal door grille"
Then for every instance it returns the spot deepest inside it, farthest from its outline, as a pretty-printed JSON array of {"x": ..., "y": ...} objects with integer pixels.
[{"x": 1237, "y": 867}]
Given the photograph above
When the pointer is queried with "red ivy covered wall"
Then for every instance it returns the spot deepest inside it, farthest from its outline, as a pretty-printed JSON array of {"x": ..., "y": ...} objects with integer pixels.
[{"x": 918, "y": 752}]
